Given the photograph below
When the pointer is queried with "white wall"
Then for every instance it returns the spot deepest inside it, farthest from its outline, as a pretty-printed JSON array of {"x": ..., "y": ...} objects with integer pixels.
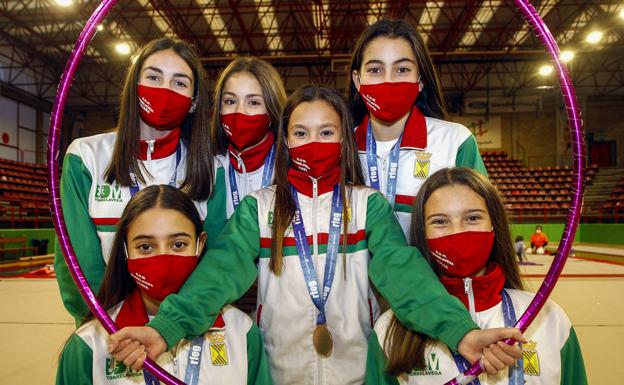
[{"x": 18, "y": 127}]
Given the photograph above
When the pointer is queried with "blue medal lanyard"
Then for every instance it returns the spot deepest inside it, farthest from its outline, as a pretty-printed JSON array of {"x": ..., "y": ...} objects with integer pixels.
[
  {"x": 134, "y": 186},
  {"x": 516, "y": 372},
  {"x": 373, "y": 169},
  {"x": 267, "y": 176},
  {"x": 305, "y": 257},
  {"x": 191, "y": 375}
]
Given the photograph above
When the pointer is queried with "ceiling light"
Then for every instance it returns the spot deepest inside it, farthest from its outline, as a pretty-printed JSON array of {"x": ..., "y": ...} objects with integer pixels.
[
  {"x": 566, "y": 56},
  {"x": 594, "y": 37},
  {"x": 622, "y": 13},
  {"x": 122, "y": 48},
  {"x": 546, "y": 70},
  {"x": 100, "y": 28},
  {"x": 64, "y": 3}
]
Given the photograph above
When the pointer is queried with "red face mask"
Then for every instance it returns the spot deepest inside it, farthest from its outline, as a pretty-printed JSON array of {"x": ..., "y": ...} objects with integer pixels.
[
  {"x": 462, "y": 254},
  {"x": 161, "y": 275},
  {"x": 162, "y": 108},
  {"x": 389, "y": 101},
  {"x": 316, "y": 158},
  {"x": 245, "y": 130}
]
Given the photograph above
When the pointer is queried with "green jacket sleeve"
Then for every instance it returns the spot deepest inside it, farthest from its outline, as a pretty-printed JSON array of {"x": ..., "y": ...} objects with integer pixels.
[
  {"x": 572, "y": 366},
  {"x": 468, "y": 156},
  {"x": 405, "y": 279},
  {"x": 376, "y": 364},
  {"x": 75, "y": 186},
  {"x": 76, "y": 363},
  {"x": 216, "y": 215},
  {"x": 258, "y": 372},
  {"x": 223, "y": 275}
]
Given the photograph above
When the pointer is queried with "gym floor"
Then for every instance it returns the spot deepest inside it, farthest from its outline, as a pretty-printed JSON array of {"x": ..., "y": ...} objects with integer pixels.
[{"x": 34, "y": 324}]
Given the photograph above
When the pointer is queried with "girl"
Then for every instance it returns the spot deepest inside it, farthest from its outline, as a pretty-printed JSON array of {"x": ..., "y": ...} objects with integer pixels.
[
  {"x": 312, "y": 236},
  {"x": 161, "y": 138},
  {"x": 402, "y": 134},
  {"x": 157, "y": 245},
  {"x": 456, "y": 213},
  {"x": 248, "y": 100}
]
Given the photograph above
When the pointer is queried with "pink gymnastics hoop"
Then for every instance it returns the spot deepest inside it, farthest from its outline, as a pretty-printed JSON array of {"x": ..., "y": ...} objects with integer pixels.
[
  {"x": 577, "y": 140},
  {"x": 53, "y": 183}
]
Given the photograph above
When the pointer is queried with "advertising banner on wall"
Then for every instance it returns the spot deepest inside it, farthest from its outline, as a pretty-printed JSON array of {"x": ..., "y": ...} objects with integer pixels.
[{"x": 488, "y": 133}]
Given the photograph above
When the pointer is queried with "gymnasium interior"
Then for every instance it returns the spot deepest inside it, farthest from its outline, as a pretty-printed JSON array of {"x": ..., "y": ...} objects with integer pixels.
[{"x": 497, "y": 79}]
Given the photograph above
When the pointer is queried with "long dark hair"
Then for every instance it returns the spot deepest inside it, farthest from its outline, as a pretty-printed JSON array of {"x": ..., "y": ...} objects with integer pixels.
[
  {"x": 273, "y": 93},
  {"x": 405, "y": 347},
  {"x": 117, "y": 283},
  {"x": 430, "y": 100},
  {"x": 350, "y": 168},
  {"x": 195, "y": 133}
]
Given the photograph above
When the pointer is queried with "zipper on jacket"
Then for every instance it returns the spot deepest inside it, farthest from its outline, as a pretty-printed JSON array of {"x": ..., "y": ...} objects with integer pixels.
[
  {"x": 150, "y": 151},
  {"x": 470, "y": 294},
  {"x": 314, "y": 218},
  {"x": 241, "y": 165}
]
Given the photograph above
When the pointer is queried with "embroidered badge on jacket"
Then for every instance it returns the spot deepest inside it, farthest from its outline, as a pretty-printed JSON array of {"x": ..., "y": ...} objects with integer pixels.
[
  {"x": 531, "y": 359},
  {"x": 218, "y": 349},
  {"x": 421, "y": 164}
]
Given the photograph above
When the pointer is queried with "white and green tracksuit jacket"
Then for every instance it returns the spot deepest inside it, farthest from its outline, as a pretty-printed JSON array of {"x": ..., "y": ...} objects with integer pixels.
[
  {"x": 232, "y": 353},
  {"x": 92, "y": 208},
  {"x": 376, "y": 251},
  {"x": 246, "y": 182},
  {"x": 552, "y": 356},
  {"x": 447, "y": 145}
]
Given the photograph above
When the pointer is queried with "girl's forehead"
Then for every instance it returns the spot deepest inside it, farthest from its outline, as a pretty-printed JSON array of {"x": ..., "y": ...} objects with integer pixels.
[
  {"x": 386, "y": 48},
  {"x": 160, "y": 222},
  {"x": 455, "y": 197}
]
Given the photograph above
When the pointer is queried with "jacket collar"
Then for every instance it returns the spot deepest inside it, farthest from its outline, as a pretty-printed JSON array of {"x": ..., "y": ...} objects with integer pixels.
[
  {"x": 251, "y": 157},
  {"x": 163, "y": 147},
  {"x": 414, "y": 133}
]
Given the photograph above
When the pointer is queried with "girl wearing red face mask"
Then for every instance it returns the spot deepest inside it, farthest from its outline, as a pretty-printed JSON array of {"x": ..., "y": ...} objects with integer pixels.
[
  {"x": 402, "y": 131},
  {"x": 159, "y": 240},
  {"x": 162, "y": 138},
  {"x": 315, "y": 240},
  {"x": 459, "y": 222},
  {"x": 248, "y": 99}
]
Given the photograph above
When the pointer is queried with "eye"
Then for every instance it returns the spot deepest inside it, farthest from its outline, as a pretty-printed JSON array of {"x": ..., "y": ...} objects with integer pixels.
[
  {"x": 180, "y": 83},
  {"x": 299, "y": 133},
  {"x": 144, "y": 248},
  {"x": 473, "y": 218},
  {"x": 374, "y": 70},
  {"x": 179, "y": 245},
  {"x": 229, "y": 101},
  {"x": 403, "y": 70},
  {"x": 438, "y": 221},
  {"x": 327, "y": 132},
  {"x": 255, "y": 102},
  {"x": 153, "y": 78}
]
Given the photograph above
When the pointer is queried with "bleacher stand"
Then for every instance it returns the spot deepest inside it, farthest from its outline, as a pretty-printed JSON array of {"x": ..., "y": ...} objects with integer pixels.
[
  {"x": 24, "y": 198},
  {"x": 531, "y": 192}
]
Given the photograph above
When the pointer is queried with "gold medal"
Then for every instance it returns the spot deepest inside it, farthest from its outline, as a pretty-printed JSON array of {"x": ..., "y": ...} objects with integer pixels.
[{"x": 322, "y": 340}]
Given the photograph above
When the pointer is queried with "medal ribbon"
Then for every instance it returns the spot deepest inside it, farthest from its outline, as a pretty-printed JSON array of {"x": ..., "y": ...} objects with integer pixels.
[
  {"x": 373, "y": 168},
  {"x": 516, "y": 372},
  {"x": 305, "y": 258},
  {"x": 134, "y": 186},
  {"x": 267, "y": 176},
  {"x": 191, "y": 375}
]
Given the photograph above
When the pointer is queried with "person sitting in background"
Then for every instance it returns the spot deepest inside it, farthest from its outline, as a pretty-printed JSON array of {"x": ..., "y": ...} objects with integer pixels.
[
  {"x": 519, "y": 248},
  {"x": 539, "y": 240}
]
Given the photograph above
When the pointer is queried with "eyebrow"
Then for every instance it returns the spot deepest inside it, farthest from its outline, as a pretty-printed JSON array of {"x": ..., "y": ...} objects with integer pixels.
[
  {"x": 465, "y": 212},
  {"x": 176, "y": 75},
  {"x": 376, "y": 61},
  {"x": 247, "y": 96},
  {"x": 147, "y": 237}
]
